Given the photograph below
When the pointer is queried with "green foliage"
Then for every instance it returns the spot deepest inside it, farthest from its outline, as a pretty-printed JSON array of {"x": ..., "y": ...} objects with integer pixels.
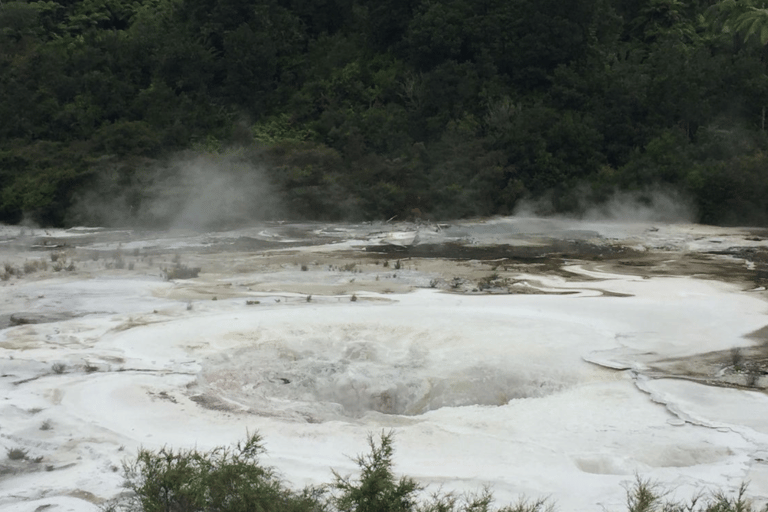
[
  {"x": 376, "y": 489},
  {"x": 235, "y": 480},
  {"x": 646, "y": 496},
  {"x": 731, "y": 192},
  {"x": 125, "y": 138},
  {"x": 280, "y": 129},
  {"x": 37, "y": 181},
  {"x": 223, "y": 479},
  {"x": 454, "y": 108},
  {"x": 665, "y": 159},
  {"x": 753, "y": 24},
  {"x": 746, "y": 18},
  {"x": 307, "y": 175}
]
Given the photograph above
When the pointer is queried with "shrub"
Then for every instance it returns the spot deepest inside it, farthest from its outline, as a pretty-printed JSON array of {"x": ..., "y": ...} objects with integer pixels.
[
  {"x": 376, "y": 489},
  {"x": 179, "y": 271},
  {"x": 32, "y": 266},
  {"x": 234, "y": 480},
  {"x": 223, "y": 479},
  {"x": 646, "y": 496},
  {"x": 16, "y": 453}
]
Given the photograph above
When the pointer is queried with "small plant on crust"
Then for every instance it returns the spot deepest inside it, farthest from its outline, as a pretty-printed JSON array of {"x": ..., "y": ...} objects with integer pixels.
[
  {"x": 179, "y": 271},
  {"x": 16, "y": 453}
]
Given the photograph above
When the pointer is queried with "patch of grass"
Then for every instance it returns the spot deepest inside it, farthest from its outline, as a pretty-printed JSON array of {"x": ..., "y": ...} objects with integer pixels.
[
  {"x": 737, "y": 358},
  {"x": 59, "y": 368},
  {"x": 68, "y": 266},
  {"x": 47, "y": 425},
  {"x": 30, "y": 266}
]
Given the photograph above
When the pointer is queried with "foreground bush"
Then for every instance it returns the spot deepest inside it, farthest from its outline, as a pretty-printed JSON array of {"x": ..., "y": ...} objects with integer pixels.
[
  {"x": 223, "y": 479},
  {"x": 645, "y": 496},
  {"x": 234, "y": 480}
]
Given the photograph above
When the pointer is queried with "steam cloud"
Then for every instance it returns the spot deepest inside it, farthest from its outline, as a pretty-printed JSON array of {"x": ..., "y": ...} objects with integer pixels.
[
  {"x": 653, "y": 204},
  {"x": 222, "y": 191},
  {"x": 192, "y": 191}
]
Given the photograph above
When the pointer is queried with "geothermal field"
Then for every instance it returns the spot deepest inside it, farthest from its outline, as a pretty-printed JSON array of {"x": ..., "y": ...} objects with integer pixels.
[{"x": 538, "y": 357}]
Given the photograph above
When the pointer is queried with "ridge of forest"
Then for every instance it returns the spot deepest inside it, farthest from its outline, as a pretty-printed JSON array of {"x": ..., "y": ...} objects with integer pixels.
[{"x": 363, "y": 109}]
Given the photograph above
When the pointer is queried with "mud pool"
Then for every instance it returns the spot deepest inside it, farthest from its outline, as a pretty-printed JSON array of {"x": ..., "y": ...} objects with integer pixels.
[{"x": 540, "y": 357}]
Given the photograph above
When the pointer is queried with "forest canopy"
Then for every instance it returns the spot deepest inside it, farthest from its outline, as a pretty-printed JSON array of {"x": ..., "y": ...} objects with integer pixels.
[{"x": 360, "y": 109}]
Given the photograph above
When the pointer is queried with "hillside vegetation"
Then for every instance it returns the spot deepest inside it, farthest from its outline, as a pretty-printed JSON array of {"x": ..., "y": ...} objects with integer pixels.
[{"x": 363, "y": 109}]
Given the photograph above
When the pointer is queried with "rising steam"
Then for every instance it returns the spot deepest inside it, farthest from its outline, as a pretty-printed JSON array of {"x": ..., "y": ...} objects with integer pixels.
[
  {"x": 653, "y": 204},
  {"x": 191, "y": 191}
]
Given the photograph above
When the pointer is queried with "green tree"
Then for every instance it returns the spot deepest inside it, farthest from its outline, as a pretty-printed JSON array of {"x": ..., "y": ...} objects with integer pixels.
[
  {"x": 376, "y": 489},
  {"x": 746, "y": 20}
]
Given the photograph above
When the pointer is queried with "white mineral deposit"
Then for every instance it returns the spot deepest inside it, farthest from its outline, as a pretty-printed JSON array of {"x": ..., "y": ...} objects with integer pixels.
[{"x": 539, "y": 357}]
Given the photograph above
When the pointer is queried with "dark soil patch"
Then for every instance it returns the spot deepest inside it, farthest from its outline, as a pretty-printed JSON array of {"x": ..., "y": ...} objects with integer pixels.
[
  {"x": 25, "y": 318},
  {"x": 576, "y": 249},
  {"x": 741, "y": 367},
  {"x": 211, "y": 402}
]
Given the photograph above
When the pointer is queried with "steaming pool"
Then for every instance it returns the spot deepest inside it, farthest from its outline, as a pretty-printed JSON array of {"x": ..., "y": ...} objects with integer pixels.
[{"x": 540, "y": 357}]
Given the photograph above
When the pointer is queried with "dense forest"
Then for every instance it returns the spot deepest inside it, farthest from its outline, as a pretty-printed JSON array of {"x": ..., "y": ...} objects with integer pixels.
[{"x": 363, "y": 109}]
